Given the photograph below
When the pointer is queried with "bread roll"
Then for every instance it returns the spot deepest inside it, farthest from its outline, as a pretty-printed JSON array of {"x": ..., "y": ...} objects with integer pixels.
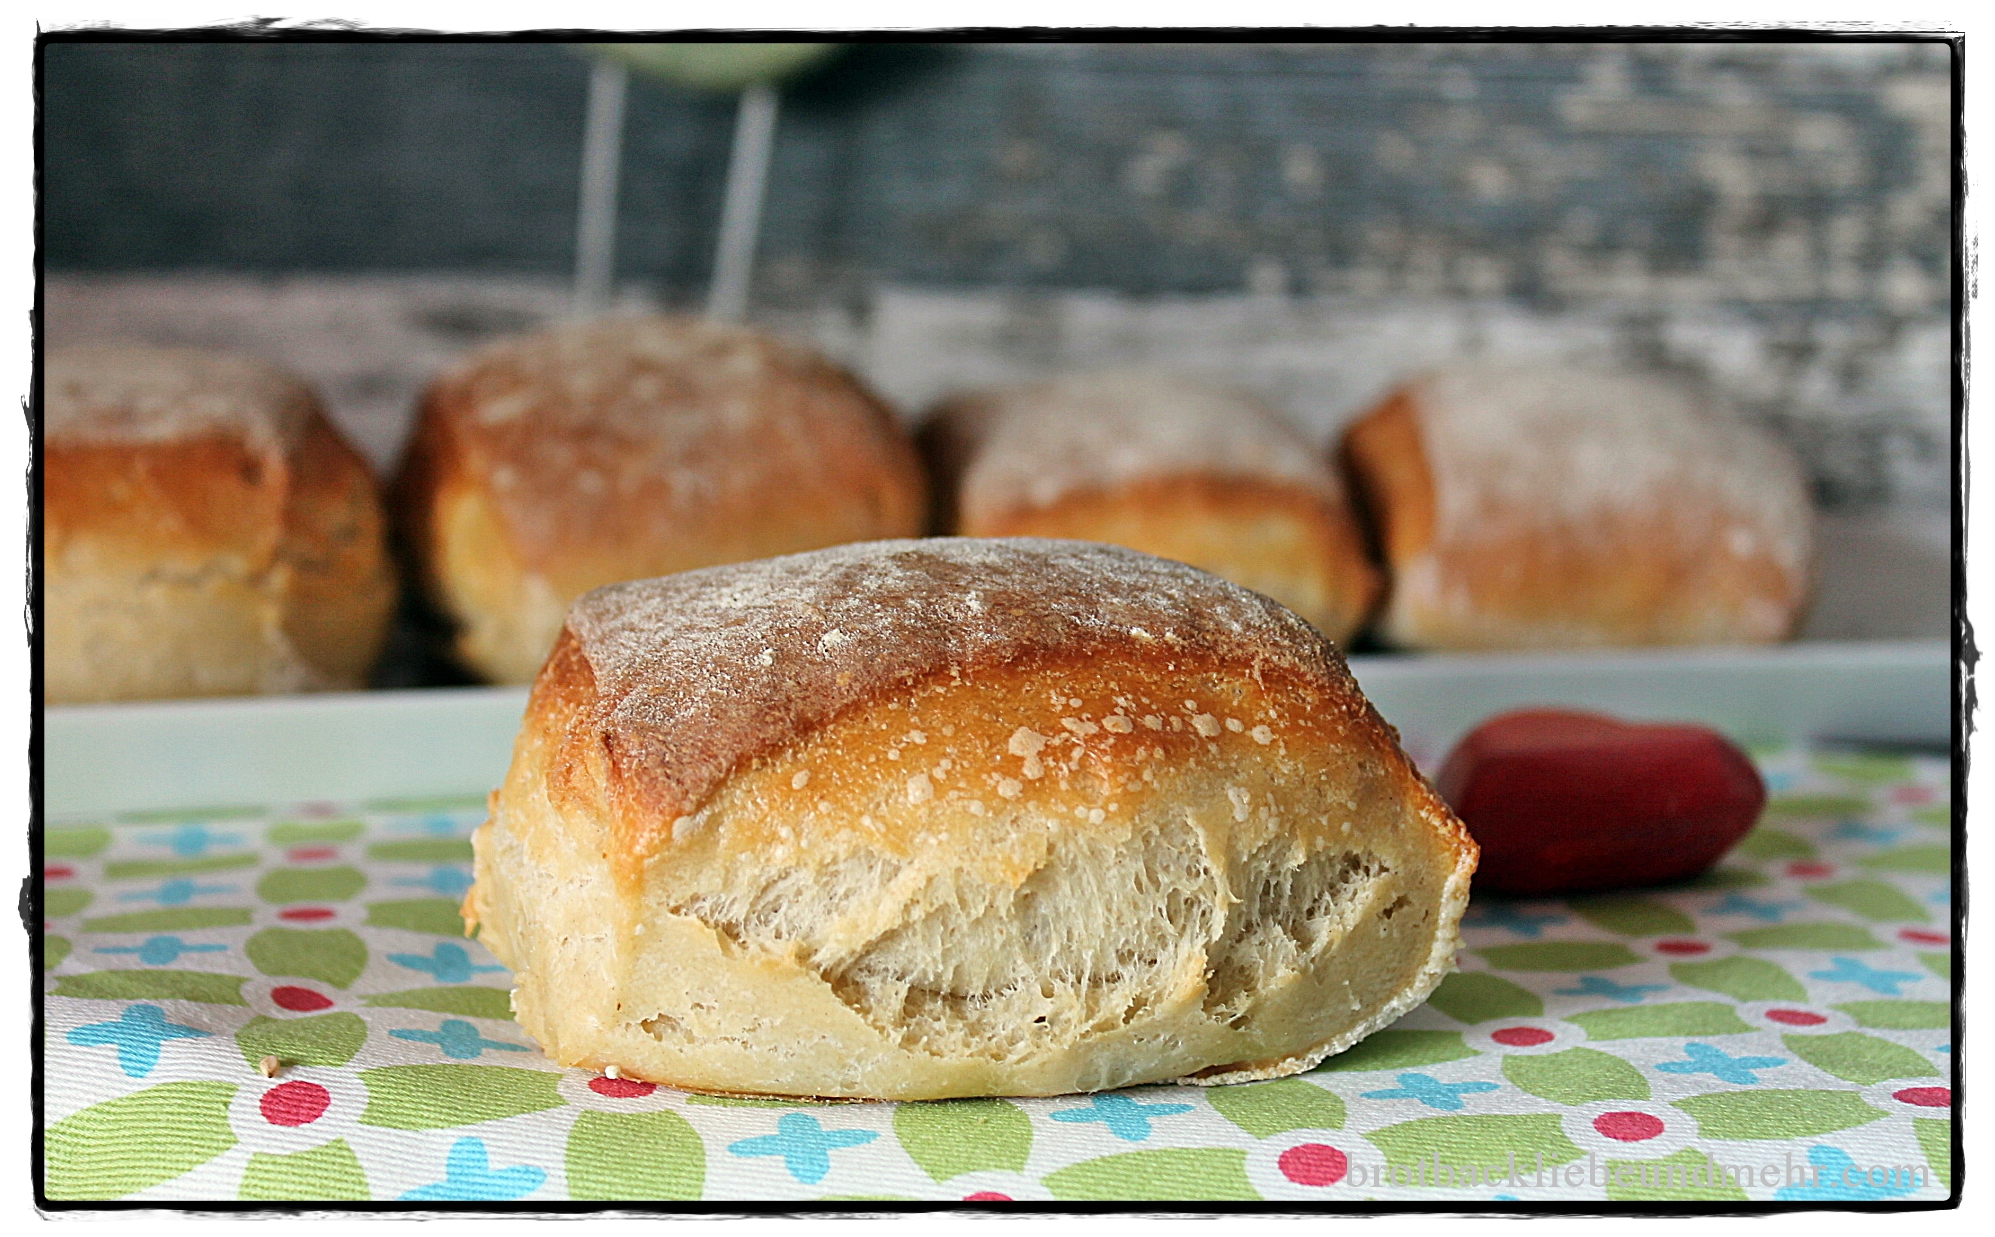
[
  {"x": 1542, "y": 507},
  {"x": 1165, "y": 465},
  {"x": 207, "y": 531},
  {"x": 915, "y": 819},
  {"x": 633, "y": 447}
]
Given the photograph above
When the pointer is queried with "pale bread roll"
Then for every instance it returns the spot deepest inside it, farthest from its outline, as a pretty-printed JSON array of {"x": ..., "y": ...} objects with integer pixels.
[
  {"x": 1550, "y": 507},
  {"x": 625, "y": 448},
  {"x": 1163, "y": 464},
  {"x": 916, "y": 819},
  {"x": 207, "y": 531}
]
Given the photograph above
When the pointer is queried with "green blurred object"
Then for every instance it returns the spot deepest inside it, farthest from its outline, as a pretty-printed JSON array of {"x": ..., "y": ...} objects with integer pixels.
[{"x": 715, "y": 66}]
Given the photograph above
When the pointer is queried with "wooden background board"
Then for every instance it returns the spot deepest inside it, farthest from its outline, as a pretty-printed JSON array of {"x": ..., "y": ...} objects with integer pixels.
[{"x": 1771, "y": 219}]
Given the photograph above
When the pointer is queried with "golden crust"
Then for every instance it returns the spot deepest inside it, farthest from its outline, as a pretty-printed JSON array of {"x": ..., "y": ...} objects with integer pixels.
[
  {"x": 1286, "y": 541},
  {"x": 1202, "y": 475},
  {"x": 833, "y": 875},
  {"x": 629, "y": 448},
  {"x": 1702, "y": 538},
  {"x": 192, "y": 555},
  {"x": 339, "y": 583},
  {"x": 677, "y": 662}
]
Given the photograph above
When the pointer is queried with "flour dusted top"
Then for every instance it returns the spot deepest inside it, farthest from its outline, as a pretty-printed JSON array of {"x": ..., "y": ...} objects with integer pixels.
[
  {"x": 116, "y": 394},
  {"x": 1033, "y": 446},
  {"x": 698, "y": 671},
  {"x": 1570, "y": 447},
  {"x": 624, "y": 427}
]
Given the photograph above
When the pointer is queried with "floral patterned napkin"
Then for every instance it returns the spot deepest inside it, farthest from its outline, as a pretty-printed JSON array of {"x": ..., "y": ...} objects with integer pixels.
[{"x": 1778, "y": 1030}]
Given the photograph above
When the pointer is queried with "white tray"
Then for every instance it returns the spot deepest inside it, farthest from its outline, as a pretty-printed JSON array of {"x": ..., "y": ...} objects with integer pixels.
[{"x": 451, "y": 742}]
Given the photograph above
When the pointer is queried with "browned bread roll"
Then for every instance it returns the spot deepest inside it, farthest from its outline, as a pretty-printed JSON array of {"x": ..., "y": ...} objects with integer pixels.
[
  {"x": 914, "y": 819},
  {"x": 1162, "y": 464},
  {"x": 1545, "y": 507},
  {"x": 632, "y": 447},
  {"x": 207, "y": 531}
]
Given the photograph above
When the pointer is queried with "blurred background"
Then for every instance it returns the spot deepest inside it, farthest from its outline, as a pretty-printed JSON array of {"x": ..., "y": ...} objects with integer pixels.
[{"x": 1311, "y": 222}]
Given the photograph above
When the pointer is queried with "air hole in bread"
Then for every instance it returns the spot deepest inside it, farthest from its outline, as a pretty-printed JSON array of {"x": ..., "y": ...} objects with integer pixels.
[
  {"x": 1291, "y": 915},
  {"x": 665, "y": 1028}
]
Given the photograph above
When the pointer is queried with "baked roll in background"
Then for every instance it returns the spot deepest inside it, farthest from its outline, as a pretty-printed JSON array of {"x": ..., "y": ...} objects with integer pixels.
[
  {"x": 207, "y": 532},
  {"x": 624, "y": 448},
  {"x": 915, "y": 819},
  {"x": 1548, "y": 507},
  {"x": 1162, "y": 464}
]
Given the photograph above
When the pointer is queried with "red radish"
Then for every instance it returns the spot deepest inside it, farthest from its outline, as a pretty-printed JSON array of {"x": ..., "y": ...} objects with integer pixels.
[{"x": 1566, "y": 802}]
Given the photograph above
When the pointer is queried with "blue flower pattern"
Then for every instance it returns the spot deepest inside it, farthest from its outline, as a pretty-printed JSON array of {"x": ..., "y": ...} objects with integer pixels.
[
  {"x": 1857, "y": 831},
  {"x": 451, "y": 882},
  {"x": 447, "y": 964},
  {"x": 176, "y": 892},
  {"x": 138, "y": 1034},
  {"x": 1600, "y": 985},
  {"x": 459, "y": 1040},
  {"x": 434, "y": 826},
  {"x": 1530, "y": 924},
  {"x": 1704, "y": 1059},
  {"x": 468, "y": 1176},
  {"x": 1851, "y": 971},
  {"x": 162, "y": 950},
  {"x": 1125, "y": 1118},
  {"x": 1431, "y": 1091},
  {"x": 805, "y": 1145},
  {"x": 192, "y": 841},
  {"x": 1766, "y": 912}
]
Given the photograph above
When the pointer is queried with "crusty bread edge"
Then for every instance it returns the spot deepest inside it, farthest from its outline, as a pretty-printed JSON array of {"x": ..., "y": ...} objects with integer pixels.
[{"x": 1440, "y": 962}]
